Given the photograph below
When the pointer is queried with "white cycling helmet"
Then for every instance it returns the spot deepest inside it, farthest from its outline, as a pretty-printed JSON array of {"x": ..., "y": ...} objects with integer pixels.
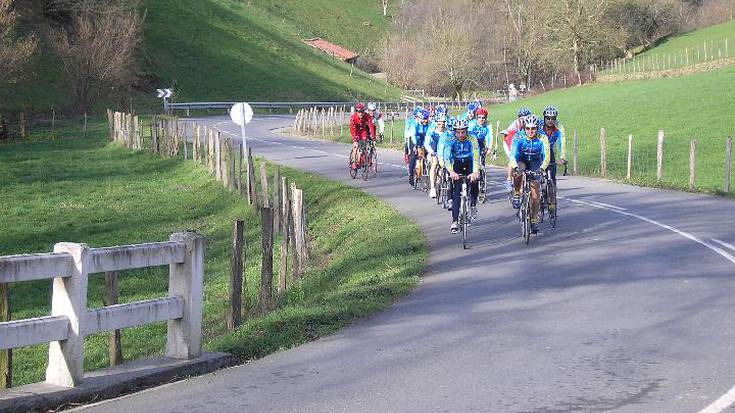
[
  {"x": 441, "y": 118},
  {"x": 531, "y": 121},
  {"x": 372, "y": 106}
]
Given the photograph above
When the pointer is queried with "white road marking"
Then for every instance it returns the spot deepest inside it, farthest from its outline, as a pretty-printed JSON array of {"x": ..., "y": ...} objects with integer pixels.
[
  {"x": 687, "y": 235},
  {"x": 724, "y": 244},
  {"x": 608, "y": 205},
  {"x": 721, "y": 404}
]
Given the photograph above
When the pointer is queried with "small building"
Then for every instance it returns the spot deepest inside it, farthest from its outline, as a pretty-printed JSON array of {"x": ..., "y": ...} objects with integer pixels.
[{"x": 333, "y": 50}]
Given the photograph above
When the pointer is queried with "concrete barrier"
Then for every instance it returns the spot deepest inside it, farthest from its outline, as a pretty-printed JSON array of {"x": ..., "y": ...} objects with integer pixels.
[{"x": 70, "y": 266}]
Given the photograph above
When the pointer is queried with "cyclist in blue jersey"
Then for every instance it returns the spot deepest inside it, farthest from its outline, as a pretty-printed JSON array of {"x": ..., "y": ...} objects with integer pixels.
[
  {"x": 443, "y": 148},
  {"x": 431, "y": 143},
  {"x": 554, "y": 130},
  {"x": 508, "y": 134},
  {"x": 481, "y": 130},
  {"x": 415, "y": 143},
  {"x": 530, "y": 151},
  {"x": 408, "y": 129},
  {"x": 464, "y": 158},
  {"x": 470, "y": 114}
]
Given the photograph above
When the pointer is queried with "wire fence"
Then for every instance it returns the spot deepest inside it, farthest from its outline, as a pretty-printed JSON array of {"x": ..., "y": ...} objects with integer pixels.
[{"x": 703, "y": 54}]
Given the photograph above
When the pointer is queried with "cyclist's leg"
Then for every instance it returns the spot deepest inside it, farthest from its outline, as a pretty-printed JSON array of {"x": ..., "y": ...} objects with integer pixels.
[
  {"x": 433, "y": 171},
  {"x": 411, "y": 164},
  {"x": 353, "y": 152},
  {"x": 456, "y": 193}
]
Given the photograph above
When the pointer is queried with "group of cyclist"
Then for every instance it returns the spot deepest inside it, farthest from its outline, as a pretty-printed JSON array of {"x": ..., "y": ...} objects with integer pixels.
[{"x": 459, "y": 146}]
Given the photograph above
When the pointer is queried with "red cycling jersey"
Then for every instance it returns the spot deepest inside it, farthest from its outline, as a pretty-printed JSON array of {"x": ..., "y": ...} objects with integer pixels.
[{"x": 360, "y": 127}]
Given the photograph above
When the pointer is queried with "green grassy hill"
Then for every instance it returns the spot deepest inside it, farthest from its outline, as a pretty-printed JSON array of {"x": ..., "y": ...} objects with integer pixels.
[
  {"x": 231, "y": 50},
  {"x": 685, "y": 50},
  {"x": 698, "y": 107}
]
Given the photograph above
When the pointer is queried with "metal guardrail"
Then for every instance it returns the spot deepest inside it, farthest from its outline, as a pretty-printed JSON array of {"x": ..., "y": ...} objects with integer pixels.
[{"x": 188, "y": 106}]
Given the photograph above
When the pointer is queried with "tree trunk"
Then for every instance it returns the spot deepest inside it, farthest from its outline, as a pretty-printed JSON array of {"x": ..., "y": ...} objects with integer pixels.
[{"x": 575, "y": 50}]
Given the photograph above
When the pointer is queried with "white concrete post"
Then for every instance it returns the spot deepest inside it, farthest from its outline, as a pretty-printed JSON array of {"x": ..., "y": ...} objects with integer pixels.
[
  {"x": 186, "y": 280},
  {"x": 66, "y": 358}
]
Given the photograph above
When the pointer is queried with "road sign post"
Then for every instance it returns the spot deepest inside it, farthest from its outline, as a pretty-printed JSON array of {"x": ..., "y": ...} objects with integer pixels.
[
  {"x": 241, "y": 114},
  {"x": 164, "y": 94}
]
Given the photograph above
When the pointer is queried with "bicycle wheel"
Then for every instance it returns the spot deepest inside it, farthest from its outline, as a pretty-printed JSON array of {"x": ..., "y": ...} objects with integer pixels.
[
  {"x": 465, "y": 222},
  {"x": 483, "y": 185},
  {"x": 527, "y": 218},
  {"x": 553, "y": 205},
  {"x": 374, "y": 162},
  {"x": 353, "y": 171},
  {"x": 365, "y": 165}
]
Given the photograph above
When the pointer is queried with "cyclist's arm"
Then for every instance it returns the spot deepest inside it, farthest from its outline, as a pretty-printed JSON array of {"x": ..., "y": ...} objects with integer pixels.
[
  {"x": 490, "y": 138},
  {"x": 353, "y": 132},
  {"x": 475, "y": 156},
  {"x": 545, "y": 152},
  {"x": 371, "y": 127},
  {"x": 427, "y": 144},
  {"x": 563, "y": 140},
  {"x": 514, "y": 154}
]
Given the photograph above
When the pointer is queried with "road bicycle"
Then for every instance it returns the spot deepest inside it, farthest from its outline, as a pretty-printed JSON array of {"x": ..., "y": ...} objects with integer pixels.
[
  {"x": 464, "y": 208},
  {"x": 524, "y": 212},
  {"x": 421, "y": 172},
  {"x": 371, "y": 159},
  {"x": 548, "y": 203},
  {"x": 361, "y": 163},
  {"x": 444, "y": 192}
]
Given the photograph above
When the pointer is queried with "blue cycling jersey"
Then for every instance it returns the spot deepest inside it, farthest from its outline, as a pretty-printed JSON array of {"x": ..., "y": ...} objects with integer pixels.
[
  {"x": 557, "y": 139},
  {"x": 483, "y": 134},
  {"x": 532, "y": 151},
  {"x": 464, "y": 150},
  {"x": 444, "y": 146},
  {"x": 431, "y": 143},
  {"x": 418, "y": 134}
]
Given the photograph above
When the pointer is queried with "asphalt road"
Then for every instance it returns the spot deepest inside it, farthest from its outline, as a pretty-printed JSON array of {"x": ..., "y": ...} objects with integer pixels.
[{"x": 626, "y": 306}]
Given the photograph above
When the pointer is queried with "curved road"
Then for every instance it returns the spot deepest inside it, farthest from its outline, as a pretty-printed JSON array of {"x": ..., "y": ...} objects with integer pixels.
[{"x": 627, "y": 306}]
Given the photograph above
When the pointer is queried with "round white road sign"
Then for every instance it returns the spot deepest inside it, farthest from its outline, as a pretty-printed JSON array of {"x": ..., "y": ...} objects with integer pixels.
[{"x": 241, "y": 113}]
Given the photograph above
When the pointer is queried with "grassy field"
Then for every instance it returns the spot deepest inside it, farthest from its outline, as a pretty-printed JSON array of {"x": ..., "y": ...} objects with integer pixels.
[
  {"x": 697, "y": 107},
  {"x": 88, "y": 190},
  {"x": 684, "y": 50},
  {"x": 233, "y": 50},
  {"x": 689, "y": 107}
]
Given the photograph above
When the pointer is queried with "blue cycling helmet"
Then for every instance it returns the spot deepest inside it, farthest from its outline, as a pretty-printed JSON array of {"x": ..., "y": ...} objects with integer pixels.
[
  {"x": 524, "y": 112},
  {"x": 460, "y": 124},
  {"x": 417, "y": 110},
  {"x": 441, "y": 118},
  {"x": 550, "y": 111},
  {"x": 441, "y": 108},
  {"x": 450, "y": 122},
  {"x": 472, "y": 107},
  {"x": 424, "y": 114}
]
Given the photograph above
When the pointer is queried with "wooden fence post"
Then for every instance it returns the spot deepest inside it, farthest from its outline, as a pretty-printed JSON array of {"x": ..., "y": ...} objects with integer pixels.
[
  {"x": 110, "y": 298},
  {"x": 218, "y": 156},
  {"x": 285, "y": 234},
  {"x": 728, "y": 164},
  {"x": 6, "y": 356},
  {"x": 240, "y": 169},
  {"x": 660, "y": 156},
  {"x": 603, "y": 152},
  {"x": 575, "y": 147},
  {"x": 692, "y": 164},
  {"x": 252, "y": 196},
  {"x": 234, "y": 311},
  {"x": 197, "y": 143},
  {"x": 266, "y": 272},
  {"x": 186, "y": 145},
  {"x": 630, "y": 157},
  {"x": 297, "y": 211},
  {"x": 276, "y": 203},
  {"x": 294, "y": 235},
  {"x": 264, "y": 185},
  {"x": 232, "y": 150}
]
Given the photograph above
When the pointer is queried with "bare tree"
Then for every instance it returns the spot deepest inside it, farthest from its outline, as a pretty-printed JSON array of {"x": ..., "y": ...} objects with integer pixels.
[
  {"x": 98, "y": 51},
  {"x": 14, "y": 51}
]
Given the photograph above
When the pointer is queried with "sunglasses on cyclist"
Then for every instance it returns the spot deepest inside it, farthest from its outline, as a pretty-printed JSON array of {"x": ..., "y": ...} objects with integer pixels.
[
  {"x": 482, "y": 117},
  {"x": 550, "y": 117},
  {"x": 532, "y": 128}
]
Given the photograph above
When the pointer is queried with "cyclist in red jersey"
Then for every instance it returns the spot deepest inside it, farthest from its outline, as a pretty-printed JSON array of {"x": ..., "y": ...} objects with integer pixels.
[{"x": 361, "y": 128}]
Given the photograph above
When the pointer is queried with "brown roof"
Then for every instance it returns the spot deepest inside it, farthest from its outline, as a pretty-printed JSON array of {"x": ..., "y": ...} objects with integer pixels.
[{"x": 331, "y": 48}]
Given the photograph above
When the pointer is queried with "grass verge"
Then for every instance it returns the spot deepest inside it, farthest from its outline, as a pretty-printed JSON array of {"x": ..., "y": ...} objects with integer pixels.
[{"x": 88, "y": 190}]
